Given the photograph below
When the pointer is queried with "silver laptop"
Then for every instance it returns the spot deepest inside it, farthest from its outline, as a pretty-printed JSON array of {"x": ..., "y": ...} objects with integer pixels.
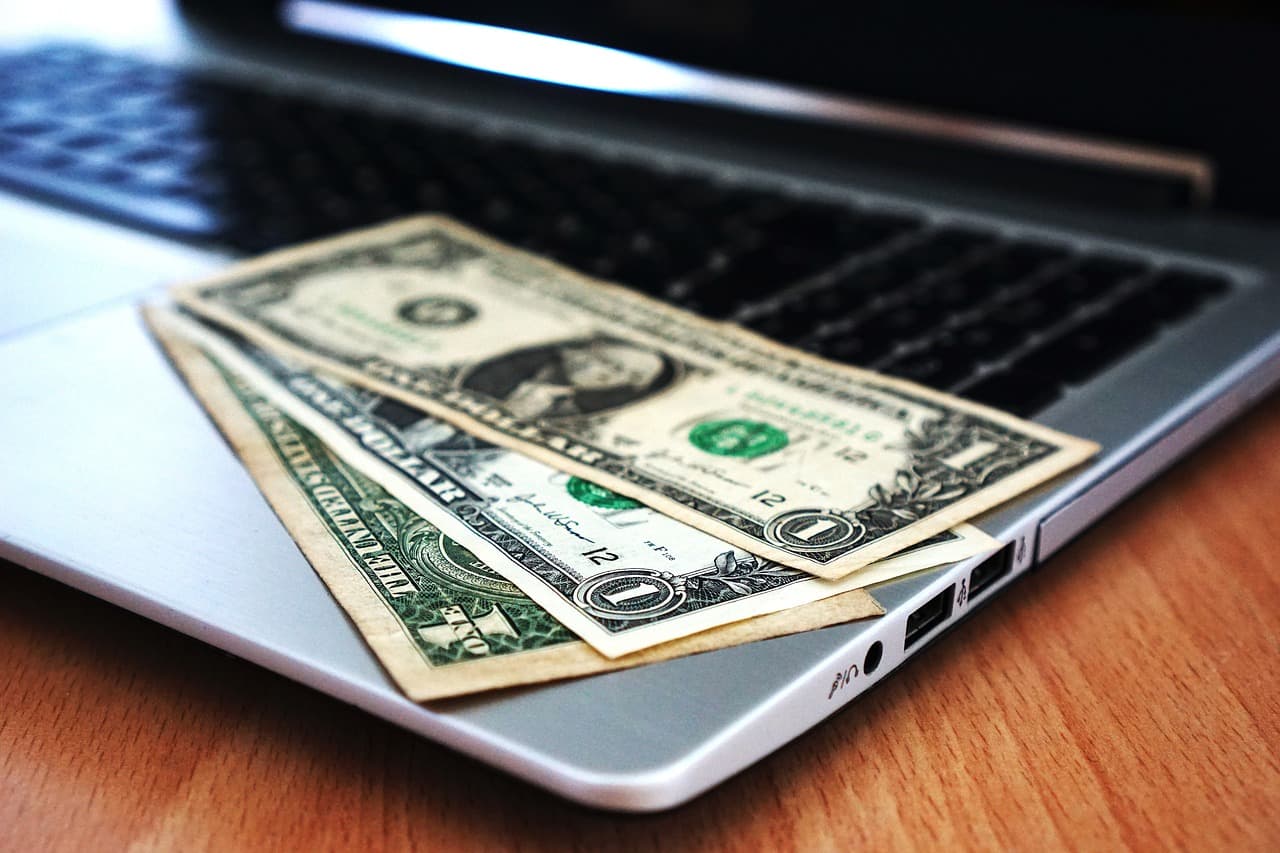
[{"x": 1071, "y": 215}]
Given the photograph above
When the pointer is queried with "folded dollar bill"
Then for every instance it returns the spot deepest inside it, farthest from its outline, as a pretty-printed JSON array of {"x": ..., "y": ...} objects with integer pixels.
[
  {"x": 619, "y": 575},
  {"x": 441, "y": 622},
  {"x": 792, "y": 458}
]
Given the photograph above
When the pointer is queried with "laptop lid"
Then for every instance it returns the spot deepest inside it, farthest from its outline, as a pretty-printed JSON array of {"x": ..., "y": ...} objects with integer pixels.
[{"x": 1184, "y": 80}]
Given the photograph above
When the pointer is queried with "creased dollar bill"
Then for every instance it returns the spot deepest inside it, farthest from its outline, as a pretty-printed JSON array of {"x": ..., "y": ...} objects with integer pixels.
[
  {"x": 618, "y": 574},
  {"x": 440, "y": 621},
  {"x": 792, "y": 458}
]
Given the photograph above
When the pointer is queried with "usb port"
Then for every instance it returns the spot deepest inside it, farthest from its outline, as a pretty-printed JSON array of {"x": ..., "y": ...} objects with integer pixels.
[
  {"x": 928, "y": 616},
  {"x": 990, "y": 570}
]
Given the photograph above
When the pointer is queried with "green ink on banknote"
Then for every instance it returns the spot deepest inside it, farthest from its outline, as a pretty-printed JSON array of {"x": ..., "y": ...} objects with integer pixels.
[
  {"x": 598, "y": 496},
  {"x": 740, "y": 438},
  {"x": 452, "y": 606}
]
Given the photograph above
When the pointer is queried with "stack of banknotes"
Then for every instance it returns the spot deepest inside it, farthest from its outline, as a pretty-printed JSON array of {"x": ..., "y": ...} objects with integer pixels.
[{"x": 507, "y": 473}]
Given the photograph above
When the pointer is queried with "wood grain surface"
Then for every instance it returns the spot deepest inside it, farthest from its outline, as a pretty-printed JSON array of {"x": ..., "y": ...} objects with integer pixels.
[{"x": 1123, "y": 696}]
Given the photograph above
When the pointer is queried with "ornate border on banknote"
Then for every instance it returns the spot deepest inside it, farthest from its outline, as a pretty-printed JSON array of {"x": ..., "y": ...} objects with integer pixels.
[
  {"x": 468, "y": 488},
  {"x": 441, "y": 623},
  {"x": 967, "y": 459}
]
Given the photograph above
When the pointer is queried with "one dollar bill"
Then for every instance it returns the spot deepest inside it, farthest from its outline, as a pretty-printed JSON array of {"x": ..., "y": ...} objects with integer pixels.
[
  {"x": 808, "y": 463},
  {"x": 618, "y": 574},
  {"x": 441, "y": 622}
]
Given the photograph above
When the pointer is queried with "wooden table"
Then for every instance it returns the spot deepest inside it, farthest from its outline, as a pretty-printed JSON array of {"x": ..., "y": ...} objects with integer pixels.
[{"x": 1125, "y": 695}]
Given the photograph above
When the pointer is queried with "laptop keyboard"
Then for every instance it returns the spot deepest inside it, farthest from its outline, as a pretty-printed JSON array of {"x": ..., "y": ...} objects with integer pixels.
[{"x": 1008, "y": 322}]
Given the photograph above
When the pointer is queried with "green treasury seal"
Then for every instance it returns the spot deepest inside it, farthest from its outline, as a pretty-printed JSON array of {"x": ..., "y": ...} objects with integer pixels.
[
  {"x": 598, "y": 496},
  {"x": 745, "y": 439}
]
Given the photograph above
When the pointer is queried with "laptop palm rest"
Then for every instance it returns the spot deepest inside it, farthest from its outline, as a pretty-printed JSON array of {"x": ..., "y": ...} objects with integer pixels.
[{"x": 116, "y": 483}]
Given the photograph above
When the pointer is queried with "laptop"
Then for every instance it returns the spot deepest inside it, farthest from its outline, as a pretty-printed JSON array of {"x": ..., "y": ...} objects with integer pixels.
[{"x": 1069, "y": 213}]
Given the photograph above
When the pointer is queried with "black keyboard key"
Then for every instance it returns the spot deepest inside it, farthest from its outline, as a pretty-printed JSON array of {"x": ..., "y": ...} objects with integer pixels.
[
  {"x": 1009, "y": 265},
  {"x": 772, "y": 324},
  {"x": 857, "y": 289},
  {"x": 930, "y": 367},
  {"x": 1089, "y": 281},
  {"x": 627, "y": 180},
  {"x": 1069, "y": 291},
  {"x": 819, "y": 226},
  {"x": 949, "y": 295},
  {"x": 910, "y": 264},
  {"x": 860, "y": 346},
  {"x": 501, "y": 217},
  {"x": 904, "y": 322},
  {"x": 567, "y": 230},
  {"x": 682, "y": 236},
  {"x": 752, "y": 275},
  {"x": 148, "y": 155},
  {"x": 1020, "y": 317},
  {"x": 641, "y": 262},
  {"x": 789, "y": 322},
  {"x": 31, "y": 129},
  {"x": 1174, "y": 294},
  {"x": 42, "y": 159},
  {"x": 976, "y": 342},
  {"x": 106, "y": 175},
  {"x": 885, "y": 225},
  {"x": 1088, "y": 349},
  {"x": 86, "y": 141},
  {"x": 732, "y": 211},
  {"x": 845, "y": 234},
  {"x": 836, "y": 301},
  {"x": 1018, "y": 392},
  {"x": 932, "y": 255},
  {"x": 255, "y": 169},
  {"x": 938, "y": 250}
]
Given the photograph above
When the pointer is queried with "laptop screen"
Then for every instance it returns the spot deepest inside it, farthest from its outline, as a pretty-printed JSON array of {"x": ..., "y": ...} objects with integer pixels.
[{"x": 1187, "y": 76}]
